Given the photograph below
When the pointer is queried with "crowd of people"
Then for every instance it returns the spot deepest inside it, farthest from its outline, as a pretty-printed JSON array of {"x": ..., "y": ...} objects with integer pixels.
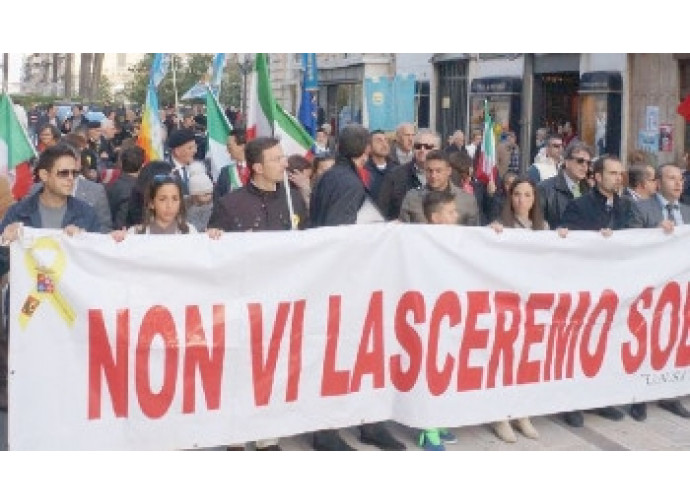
[{"x": 91, "y": 177}]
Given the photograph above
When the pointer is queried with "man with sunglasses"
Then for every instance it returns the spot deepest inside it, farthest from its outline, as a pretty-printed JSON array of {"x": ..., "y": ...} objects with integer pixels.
[
  {"x": 52, "y": 207},
  {"x": 402, "y": 179},
  {"x": 570, "y": 183},
  {"x": 546, "y": 166}
]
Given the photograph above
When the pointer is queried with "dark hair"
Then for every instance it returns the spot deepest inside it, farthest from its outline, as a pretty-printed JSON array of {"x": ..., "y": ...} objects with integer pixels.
[
  {"x": 507, "y": 217},
  {"x": 659, "y": 171},
  {"x": 156, "y": 183},
  {"x": 434, "y": 200},
  {"x": 298, "y": 163},
  {"x": 47, "y": 158},
  {"x": 598, "y": 165},
  {"x": 240, "y": 136},
  {"x": 74, "y": 140},
  {"x": 320, "y": 158},
  {"x": 353, "y": 141},
  {"x": 552, "y": 136},
  {"x": 437, "y": 155},
  {"x": 459, "y": 161},
  {"x": 132, "y": 158},
  {"x": 55, "y": 133},
  {"x": 637, "y": 174},
  {"x": 254, "y": 151}
]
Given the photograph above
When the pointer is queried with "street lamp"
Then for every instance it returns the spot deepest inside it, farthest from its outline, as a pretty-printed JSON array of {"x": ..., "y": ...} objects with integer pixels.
[{"x": 246, "y": 66}]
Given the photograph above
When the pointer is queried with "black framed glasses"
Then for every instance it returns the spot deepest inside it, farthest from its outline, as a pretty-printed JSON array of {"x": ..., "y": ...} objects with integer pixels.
[
  {"x": 582, "y": 161},
  {"x": 420, "y": 146}
]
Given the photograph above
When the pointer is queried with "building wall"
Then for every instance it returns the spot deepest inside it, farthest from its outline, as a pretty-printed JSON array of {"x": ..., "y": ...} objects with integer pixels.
[
  {"x": 654, "y": 81},
  {"x": 418, "y": 64}
]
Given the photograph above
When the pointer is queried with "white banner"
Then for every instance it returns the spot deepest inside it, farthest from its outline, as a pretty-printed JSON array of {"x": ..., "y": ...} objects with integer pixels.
[{"x": 181, "y": 341}]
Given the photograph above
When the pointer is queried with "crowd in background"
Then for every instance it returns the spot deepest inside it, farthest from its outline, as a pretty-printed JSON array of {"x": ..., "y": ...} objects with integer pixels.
[{"x": 90, "y": 175}]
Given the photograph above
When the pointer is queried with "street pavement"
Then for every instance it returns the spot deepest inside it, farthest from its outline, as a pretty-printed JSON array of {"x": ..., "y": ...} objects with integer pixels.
[{"x": 661, "y": 431}]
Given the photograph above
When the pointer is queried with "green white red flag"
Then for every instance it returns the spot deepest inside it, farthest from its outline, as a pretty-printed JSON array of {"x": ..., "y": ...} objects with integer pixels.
[
  {"x": 219, "y": 129},
  {"x": 487, "y": 165},
  {"x": 265, "y": 117},
  {"x": 15, "y": 147}
]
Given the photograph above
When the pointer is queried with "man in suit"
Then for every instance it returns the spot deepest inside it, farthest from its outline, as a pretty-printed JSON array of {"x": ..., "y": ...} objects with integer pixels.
[
  {"x": 602, "y": 210},
  {"x": 182, "y": 144},
  {"x": 664, "y": 210},
  {"x": 642, "y": 182}
]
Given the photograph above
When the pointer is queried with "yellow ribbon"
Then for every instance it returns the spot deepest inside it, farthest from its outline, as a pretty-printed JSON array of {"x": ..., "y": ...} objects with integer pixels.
[{"x": 46, "y": 283}]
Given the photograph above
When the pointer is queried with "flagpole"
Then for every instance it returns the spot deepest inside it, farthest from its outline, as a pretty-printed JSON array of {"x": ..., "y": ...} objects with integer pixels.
[
  {"x": 174, "y": 73},
  {"x": 286, "y": 181}
]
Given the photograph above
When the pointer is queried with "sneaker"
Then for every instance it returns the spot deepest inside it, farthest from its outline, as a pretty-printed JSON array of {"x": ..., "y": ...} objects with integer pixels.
[
  {"x": 430, "y": 440},
  {"x": 447, "y": 436}
]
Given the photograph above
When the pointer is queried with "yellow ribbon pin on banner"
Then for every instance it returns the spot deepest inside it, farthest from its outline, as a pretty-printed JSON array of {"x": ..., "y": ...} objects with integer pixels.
[{"x": 47, "y": 280}]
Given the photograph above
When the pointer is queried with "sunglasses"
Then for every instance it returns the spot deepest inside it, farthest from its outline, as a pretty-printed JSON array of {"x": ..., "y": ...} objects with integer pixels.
[
  {"x": 163, "y": 177},
  {"x": 582, "y": 161},
  {"x": 420, "y": 146},
  {"x": 67, "y": 173}
]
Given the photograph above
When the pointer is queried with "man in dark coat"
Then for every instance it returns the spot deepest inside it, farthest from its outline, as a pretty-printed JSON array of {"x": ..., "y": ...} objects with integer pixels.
[
  {"x": 571, "y": 182},
  {"x": 337, "y": 199},
  {"x": 261, "y": 204},
  {"x": 602, "y": 210},
  {"x": 120, "y": 191}
]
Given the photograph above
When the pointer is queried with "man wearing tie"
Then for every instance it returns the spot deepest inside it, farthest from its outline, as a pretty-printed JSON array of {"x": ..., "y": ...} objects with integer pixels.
[
  {"x": 182, "y": 145},
  {"x": 664, "y": 210}
]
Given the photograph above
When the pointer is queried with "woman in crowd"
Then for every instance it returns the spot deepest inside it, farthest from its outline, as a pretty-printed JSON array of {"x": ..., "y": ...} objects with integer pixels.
[
  {"x": 164, "y": 211},
  {"x": 521, "y": 210}
]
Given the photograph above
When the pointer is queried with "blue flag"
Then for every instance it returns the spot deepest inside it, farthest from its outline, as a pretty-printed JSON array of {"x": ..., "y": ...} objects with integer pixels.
[
  {"x": 310, "y": 84},
  {"x": 211, "y": 79}
]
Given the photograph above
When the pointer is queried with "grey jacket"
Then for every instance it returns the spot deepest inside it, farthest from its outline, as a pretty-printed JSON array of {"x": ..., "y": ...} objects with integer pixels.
[
  {"x": 652, "y": 212},
  {"x": 411, "y": 209}
]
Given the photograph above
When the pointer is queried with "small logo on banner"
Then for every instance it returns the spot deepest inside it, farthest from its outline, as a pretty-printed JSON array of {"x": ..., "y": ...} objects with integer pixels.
[{"x": 47, "y": 281}]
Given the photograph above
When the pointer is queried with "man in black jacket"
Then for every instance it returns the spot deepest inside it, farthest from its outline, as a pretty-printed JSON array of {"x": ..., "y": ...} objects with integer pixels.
[
  {"x": 571, "y": 182},
  {"x": 401, "y": 179},
  {"x": 337, "y": 199},
  {"x": 261, "y": 204},
  {"x": 603, "y": 210},
  {"x": 120, "y": 191}
]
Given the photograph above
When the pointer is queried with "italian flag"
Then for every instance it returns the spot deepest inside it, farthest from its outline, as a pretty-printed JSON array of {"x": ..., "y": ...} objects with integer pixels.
[
  {"x": 15, "y": 149},
  {"x": 218, "y": 132},
  {"x": 265, "y": 117},
  {"x": 488, "y": 170}
]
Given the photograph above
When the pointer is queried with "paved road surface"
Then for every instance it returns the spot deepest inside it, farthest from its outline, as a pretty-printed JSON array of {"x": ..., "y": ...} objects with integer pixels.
[{"x": 661, "y": 431}]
